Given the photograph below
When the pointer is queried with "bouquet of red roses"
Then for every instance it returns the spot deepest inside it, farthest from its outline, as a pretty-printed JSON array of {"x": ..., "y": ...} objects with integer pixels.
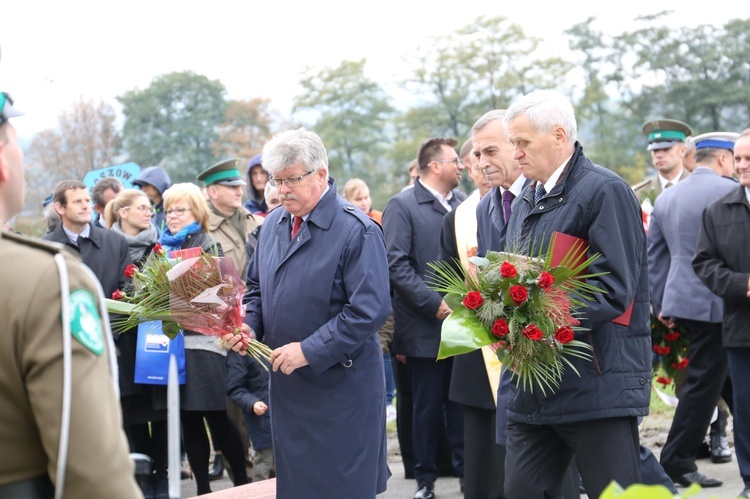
[
  {"x": 192, "y": 290},
  {"x": 523, "y": 307},
  {"x": 671, "y": 349}
]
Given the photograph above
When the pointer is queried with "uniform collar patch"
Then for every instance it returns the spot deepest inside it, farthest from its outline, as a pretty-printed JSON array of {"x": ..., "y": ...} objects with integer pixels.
[{"x": 85, "y": 322}]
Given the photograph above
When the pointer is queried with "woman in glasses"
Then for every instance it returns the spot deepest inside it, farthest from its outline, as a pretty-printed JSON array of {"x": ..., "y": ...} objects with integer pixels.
[
  {"x": 129, "y": 214},
  {"x": 204, "y": 394}
]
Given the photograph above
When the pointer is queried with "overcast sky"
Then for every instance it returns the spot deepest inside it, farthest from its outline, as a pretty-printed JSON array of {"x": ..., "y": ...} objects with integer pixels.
[{"x": 54, "y": 52}]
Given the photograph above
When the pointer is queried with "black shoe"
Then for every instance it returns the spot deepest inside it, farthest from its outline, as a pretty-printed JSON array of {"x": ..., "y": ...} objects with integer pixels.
[
  {"x": 704, "y": 452},
  {"x": 696, "y": 477},
  {"x": 217, "y": 469},
  {"x": 426, "y": 490},
  {"x": 461, "y": 483},
  {"x": 161, "y": 486}
]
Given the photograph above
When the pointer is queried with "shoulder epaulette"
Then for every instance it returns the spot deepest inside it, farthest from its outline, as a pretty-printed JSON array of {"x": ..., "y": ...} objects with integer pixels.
[
  {"x": 357, "y": 213},
  {"x": 641, "y": 185},
  {"x": 34, "y": 242}
]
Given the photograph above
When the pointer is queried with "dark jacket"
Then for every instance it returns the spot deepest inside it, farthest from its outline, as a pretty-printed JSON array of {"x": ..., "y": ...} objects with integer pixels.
[
  {"x": 412, "y": 221},
  {"x": 490, "y": 223},
  {"x": 595, "y": 204},
  {"x": 247, "y": 383},
  {"x": 104, "y": 252},
  {"x": 722, "y": 262}
]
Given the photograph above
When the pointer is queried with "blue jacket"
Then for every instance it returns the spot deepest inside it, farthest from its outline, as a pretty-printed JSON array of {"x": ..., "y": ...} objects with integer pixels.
[
  {"x": 412, "y": 221},
  {"x": 672, "y": 233},
  {"x": 595, "y": 204},
  {"x": 327, "y": 289}
]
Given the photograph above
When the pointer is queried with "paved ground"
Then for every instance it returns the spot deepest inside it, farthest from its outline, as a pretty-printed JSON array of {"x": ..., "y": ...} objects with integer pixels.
[{"x": 653, "y": 435}]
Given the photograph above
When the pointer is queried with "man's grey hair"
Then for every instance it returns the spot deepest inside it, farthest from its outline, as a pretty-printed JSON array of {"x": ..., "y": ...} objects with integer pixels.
[
  {"x": 495, "y": 114},
  {"x": 294, "y": 147},
  {"x": 546, "y": 109}
]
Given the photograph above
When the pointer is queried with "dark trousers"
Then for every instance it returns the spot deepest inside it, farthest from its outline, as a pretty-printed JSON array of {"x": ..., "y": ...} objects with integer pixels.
[
  {"x": 433, "y": 412},
  {"x": 739, "y": 366},
  {"x": 706, "y": 376},
  {"x": 538, "y": 456},
  {"x": 405, "y": 421},
  {"x": 484, "y": 460}
]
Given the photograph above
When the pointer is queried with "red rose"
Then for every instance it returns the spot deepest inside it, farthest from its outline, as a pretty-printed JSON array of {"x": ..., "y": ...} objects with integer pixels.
[
  {"x": 545, "y": 280},
  {"x": 564, "y": 334},
  {"x": 673, "y": 336},
  {"x": 519, "y": 294},
  {"x": 680, "y": 365},
  {"x": 664, "y": 381},
  {"x": 500, "y": 328},
  {"x": 130, "y": 270},
  {"x": 508, "y": 271},
  {"x": 473, "y": 300},
  {"x": 158, "y": 249},
  {"x": 118, "y": 295},
  {"x": 661, "y": 350},
  {"x": 532, "y": 332}
]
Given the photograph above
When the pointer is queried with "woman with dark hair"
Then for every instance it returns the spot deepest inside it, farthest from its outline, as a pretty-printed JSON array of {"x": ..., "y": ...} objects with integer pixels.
[{"x": 203, "y": 396}]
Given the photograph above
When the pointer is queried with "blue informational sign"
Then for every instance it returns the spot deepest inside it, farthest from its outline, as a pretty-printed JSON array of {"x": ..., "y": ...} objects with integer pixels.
[{"x": 125, "y": 173}]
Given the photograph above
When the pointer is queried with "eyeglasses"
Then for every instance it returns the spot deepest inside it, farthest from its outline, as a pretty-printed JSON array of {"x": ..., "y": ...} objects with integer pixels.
[
  {"x": 178, "y": 212},
  {"x": 290, "y": 182},
  {"x": 4, "y": 97},
  {"x": 455, "y": 160},
  {"x": 142, "y": 208}
]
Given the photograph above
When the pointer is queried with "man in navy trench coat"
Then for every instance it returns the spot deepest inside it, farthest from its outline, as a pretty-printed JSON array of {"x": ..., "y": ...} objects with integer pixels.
[{"x": 318, "y": 299}]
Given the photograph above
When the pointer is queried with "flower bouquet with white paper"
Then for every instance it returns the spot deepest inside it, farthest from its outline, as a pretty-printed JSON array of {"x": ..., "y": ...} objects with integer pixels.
[{"x": 187, "y": 289}]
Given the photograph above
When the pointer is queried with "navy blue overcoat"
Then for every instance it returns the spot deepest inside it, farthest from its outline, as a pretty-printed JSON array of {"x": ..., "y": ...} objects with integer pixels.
[{"x": 328, "y": 289}]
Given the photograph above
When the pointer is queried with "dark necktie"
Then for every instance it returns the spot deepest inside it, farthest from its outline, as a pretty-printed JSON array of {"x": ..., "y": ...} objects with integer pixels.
[
  {"x": 296, "y": 226},
  {"x": 668, "y": 185},
  {"x": 507, "y": 200},
  {"x": 539, "y": 194}
]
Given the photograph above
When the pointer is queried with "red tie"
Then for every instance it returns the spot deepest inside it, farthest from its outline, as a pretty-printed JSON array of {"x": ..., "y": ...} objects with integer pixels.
[{"x": 297, "y": 224}]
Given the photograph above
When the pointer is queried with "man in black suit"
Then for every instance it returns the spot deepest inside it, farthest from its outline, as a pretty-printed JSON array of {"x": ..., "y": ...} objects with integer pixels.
[
  {"x": 476, "y": 374},
  {"x": 412, "y": 221}
]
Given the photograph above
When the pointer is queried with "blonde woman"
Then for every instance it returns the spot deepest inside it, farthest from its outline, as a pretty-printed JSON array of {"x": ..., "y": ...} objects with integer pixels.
[
  {"x": 203, "y": 396},
  {"x": 357, "y": 193}
]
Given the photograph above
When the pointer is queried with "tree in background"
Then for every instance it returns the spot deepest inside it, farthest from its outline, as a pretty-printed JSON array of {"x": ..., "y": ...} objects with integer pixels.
[
  {"x": 85, "y": 139},
  {"x": 350, "y": 112},
  {"x": 174, "y": 123},
  {"x": 247, "y": 126}
]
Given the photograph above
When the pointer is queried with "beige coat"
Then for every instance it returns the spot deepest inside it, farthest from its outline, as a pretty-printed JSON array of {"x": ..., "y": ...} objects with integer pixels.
[
  {"x": 31, "y": 374},
  {"x": 232, "y": 244}
]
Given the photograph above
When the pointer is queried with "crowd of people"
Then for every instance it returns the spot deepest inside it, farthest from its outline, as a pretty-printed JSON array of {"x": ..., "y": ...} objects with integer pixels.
[{"x": 341, "y": 294}]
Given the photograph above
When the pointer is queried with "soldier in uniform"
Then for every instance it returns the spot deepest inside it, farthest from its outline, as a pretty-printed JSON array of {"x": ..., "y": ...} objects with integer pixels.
[
  {"x": 666, "y": 142},
  {"x": 60, "y": 421}
]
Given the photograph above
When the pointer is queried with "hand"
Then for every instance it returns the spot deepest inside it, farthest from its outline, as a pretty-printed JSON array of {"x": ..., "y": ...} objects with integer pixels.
[
  {"x": 667, "y": 322},
  {"x": 234, "y": 341},
  {"x": 401, "y": 358},
  {"x": 443, "y": 311},
  {"x": 260, "y": 408},
  {"x": 288, "y": 358},
  {"x": 748, "y": 287}
]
